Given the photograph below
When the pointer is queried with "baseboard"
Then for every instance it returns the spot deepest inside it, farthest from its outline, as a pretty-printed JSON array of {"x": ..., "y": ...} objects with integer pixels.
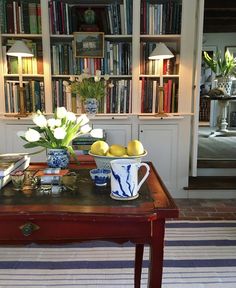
[
  {"x": 211, "y": 194},
  {"x": 212, "y": 183}
]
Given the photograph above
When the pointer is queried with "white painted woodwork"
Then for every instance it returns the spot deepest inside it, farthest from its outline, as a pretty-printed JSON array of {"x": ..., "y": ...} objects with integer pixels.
[{"x": 167, "y": 140}]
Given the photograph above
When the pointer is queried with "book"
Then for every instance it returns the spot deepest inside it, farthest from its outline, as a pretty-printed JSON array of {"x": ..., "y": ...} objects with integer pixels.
[
  {"x": 43, "y": 173},
  {"x": 33, "y": 22},
  {"x": 9, "y": 162}
]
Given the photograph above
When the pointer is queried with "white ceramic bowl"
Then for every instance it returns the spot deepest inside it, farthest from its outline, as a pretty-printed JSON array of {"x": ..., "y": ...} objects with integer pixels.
[{"x": 104, "y": 161}]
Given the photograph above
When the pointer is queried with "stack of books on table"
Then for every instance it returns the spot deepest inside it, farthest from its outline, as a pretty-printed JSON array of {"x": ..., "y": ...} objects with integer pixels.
[
  {"x": 10, "y": 163},
  {"x": 82, "y": 144}
]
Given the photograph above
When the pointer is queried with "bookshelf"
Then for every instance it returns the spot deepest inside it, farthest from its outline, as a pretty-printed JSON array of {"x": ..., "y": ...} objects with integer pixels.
[
  {"x": 48, "y": 28},
  {"x": 172, "y": 160}
]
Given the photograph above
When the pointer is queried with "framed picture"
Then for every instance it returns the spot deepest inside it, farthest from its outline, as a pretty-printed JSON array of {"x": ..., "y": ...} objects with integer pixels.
[
  {"x": 89, "y": 44},
  {"x": 232, "y": 50}
]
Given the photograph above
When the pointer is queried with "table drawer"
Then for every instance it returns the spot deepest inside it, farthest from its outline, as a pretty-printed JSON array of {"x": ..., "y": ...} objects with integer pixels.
[{"x": 34, "y": 229}]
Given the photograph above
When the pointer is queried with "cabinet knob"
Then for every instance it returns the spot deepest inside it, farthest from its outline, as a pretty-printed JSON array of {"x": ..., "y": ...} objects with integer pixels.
[
  {"x": 28, "y": 228},
  {"x": 141, "y": 131}
]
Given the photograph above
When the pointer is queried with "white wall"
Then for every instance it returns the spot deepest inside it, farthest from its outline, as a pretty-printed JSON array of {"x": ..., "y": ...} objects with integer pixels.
[{"x": 220, "y": 40}]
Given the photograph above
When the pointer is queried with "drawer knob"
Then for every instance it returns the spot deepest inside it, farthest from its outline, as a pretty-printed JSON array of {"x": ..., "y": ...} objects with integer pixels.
[{"x": 28, "y": 228}]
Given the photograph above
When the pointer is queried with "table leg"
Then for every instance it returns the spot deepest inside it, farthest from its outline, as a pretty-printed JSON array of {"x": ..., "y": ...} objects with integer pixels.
[
  {"x": 138, "y": 265},
  {"x": 156, "y": 253},
  {"x": 223, "y": 116}
]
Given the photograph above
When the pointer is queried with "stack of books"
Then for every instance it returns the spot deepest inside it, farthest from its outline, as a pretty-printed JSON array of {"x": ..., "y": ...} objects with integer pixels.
[
  {"x": 11, "y": 163},
  {"x": 82, "y": 144}
]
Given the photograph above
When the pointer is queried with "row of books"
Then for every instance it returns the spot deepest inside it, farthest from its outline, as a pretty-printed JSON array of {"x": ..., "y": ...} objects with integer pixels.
[
  {"x": 23, "y": 16},
  {"x": 30, "y": 65},
  {"x": 68, "y": 17},
  {"x": 117, "y": 60},
  {"x": 34, "y": 96},
  {"x": 151, "y": 102},
  {"x": 11, "y": 163},
  {"x": 117, "y": 99},
  {"x": 161, "y": 18},
  {"x": 152, "y": 67}
]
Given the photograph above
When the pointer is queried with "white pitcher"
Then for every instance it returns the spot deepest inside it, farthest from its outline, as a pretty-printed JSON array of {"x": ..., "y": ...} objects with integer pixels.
[{"x": 124, "y": 178}]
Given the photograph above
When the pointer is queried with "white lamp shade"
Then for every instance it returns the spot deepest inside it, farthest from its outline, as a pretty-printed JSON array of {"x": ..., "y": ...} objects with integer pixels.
[
  {"x": 19, "y": 49},
  {"x": 161, "y": 52}
]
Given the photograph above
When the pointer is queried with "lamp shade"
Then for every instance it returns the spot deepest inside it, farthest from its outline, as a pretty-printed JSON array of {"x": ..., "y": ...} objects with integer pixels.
[
  {"x": 19, "y": 49},
  {"x": 161, "y": 52}
]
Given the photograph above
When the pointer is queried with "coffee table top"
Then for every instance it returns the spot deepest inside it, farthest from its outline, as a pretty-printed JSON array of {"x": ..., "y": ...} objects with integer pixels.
[{"x": 90, "y": 199}]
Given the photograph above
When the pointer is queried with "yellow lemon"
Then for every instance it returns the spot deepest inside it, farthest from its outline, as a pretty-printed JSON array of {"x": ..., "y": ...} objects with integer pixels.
[
  {"x": 135, "y": 148},
  {"x": 117, "y": 150},
  {"x": 99, "y": 148},
  {"x": 109, "y": 154}
]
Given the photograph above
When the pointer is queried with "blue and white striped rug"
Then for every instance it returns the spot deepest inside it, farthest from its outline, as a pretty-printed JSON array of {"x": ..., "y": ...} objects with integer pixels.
[{"x": 197, "y": 255}]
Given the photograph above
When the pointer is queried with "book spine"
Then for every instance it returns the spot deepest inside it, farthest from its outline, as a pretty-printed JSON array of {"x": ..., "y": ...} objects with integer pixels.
[
  {"x": 25, "y": 17},
  {"x": 3, "y": 20},
  {"x": 33, "y": 23},
  {"x": 10, "y": 17},
  {"x": 39, "y": 18}
]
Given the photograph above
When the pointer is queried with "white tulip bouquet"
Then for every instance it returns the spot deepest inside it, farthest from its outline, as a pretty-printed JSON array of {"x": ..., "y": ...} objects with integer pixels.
[{"x": 57, "y": 132}]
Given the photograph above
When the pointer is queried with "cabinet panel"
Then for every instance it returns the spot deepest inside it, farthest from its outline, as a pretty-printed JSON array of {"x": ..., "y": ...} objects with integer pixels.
[
  {"x": 116, "y": 134},
  {"x": 14, "y": 144},
  {"x": 161, "y": 142}
]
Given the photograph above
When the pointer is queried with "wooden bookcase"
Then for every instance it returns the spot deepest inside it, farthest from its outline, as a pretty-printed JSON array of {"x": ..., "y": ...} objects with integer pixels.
[
  {"x": 126, "y": 48},
  {"x": 173, "y": 134}
]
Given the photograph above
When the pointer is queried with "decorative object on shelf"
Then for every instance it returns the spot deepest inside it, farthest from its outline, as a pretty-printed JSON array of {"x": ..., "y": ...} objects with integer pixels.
[
  {"x": 89, "y": 24},
  {"x": 56, "y": 133},
  {"x": 89, "y": 44},
  {"x": 223, "y": 67},
  {"x": 161, "y": 52},
  {"x": 91, "y": 106},
  {"x": 88, "y": 86},
  {"x": 124, "y": 179},
  {"x": 19, "y": 49}
]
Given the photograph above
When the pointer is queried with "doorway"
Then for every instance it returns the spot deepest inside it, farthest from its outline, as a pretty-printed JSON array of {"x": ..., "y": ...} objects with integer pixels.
[{"x": 219, "y": 32}]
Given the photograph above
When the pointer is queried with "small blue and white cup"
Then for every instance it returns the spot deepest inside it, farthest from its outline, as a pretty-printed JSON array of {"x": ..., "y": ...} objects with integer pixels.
[
  {"x": 100, "y": 177},
  {"x": 124, "y": 178}
]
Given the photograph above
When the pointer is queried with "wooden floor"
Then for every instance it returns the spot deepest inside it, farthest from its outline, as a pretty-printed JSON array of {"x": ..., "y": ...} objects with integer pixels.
[{"x": 204, "y": 209}]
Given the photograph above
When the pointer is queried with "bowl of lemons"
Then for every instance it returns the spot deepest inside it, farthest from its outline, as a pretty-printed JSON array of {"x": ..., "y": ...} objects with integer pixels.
[{"x": 103, "y": 153}]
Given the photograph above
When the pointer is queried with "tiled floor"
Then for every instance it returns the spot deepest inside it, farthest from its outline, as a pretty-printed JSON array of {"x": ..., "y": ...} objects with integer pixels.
[{"x": 204, "y": 209}]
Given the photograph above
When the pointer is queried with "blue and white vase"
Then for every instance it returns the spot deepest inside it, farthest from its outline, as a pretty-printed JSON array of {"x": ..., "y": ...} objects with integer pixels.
[
  {"x": 91, "y": 106},
  {"x": 58, "y": 158}
]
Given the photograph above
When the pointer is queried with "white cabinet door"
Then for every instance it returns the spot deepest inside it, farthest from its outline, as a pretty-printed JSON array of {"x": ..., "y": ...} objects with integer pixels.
[
  {"x": 161, "y": 143},
  {"x": 116, "y": 133},
  {"x": 14, "y": 144}
]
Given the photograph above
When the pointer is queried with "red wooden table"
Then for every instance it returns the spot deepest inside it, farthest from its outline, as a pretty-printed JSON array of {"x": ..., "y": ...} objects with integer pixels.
[{"x": 89, "y": 213}]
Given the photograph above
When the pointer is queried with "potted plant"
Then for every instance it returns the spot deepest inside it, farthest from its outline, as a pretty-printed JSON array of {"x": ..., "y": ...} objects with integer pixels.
[
  {"x": 56, "y": 135},
  {"x": 223, "y": 67},
  {"x": 90, "y": 88}
]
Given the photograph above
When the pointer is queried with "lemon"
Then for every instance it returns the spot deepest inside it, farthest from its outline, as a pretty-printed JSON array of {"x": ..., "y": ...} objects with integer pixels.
[
  {"x": 135, "y": 148},
  {"x": 117, "y": 150},
  {"x": 109, "y": 154},
  {"x": 99, "y": 148}
]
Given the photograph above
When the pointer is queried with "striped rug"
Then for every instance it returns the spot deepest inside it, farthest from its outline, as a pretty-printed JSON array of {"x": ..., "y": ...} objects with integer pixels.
[{"x": 197, "y": 255}]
